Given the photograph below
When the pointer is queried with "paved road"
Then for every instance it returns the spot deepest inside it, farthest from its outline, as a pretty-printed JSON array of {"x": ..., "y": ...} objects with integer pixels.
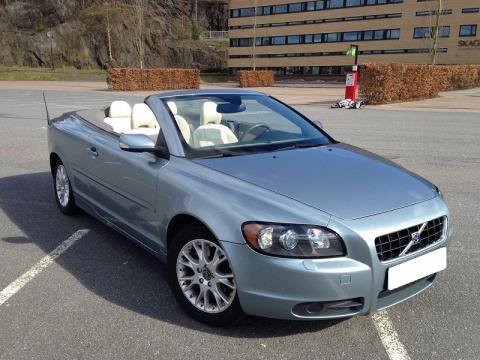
[{"x": 106, "y": 298}]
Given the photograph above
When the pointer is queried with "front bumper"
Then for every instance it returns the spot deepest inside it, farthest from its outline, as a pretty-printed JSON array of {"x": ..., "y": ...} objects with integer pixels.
[{"x": 336, "y": 287}]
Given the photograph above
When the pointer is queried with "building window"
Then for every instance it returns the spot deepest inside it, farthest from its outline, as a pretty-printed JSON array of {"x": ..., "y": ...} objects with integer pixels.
[
  {"x": 334, "y": 4},
  {"x": 349, "y": 3},
  {"x": 310, "y": 5},
  {"x": 333, "y": 37},
  {"x": 423, "y": 13},
  {"x": 320, "y": 5},
  {"x": 433, "y": 12},
  {"x": 470, "y": 10},
  {"x": 378, "y": 34},
  {"x": 353, "y": 18},
  {"x": 241, "y": 42},
  {"x": 368, "y": 35},
  {"x": 421, "y": 32},
  {"x": 266, "y": 10},
  {"x": 393, "y": 34},
  {"x": 425, "y": 32},
  {"x": 468, "y": 30},
  {"x": 280, "y": 9},
  {"x": 297, "y": 7},
  {"x": 444, "y": 31},
  {"x": 350, "y": 36},
  {"x": 293, "y": 70},
  {"x": 293, "y": 39},
  {"x": 307, "y": 6},
  {"x": 278, "y": 40},
  {"x": 341, "y": 53},
  {"x": 311, "y": 70},
  {"x": 246, "y": 12},
  {"x": 242, "y": 12},
  {"x": 263, "y": 41}
]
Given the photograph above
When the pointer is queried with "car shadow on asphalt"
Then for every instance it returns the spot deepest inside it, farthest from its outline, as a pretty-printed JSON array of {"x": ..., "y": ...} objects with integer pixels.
[{"x": 111, "y": 266}]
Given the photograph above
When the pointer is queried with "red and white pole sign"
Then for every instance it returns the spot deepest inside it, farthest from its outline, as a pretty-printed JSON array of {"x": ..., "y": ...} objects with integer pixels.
[
  {"x": 351, "y": 86},
  {"x": 352, "y": 77}
]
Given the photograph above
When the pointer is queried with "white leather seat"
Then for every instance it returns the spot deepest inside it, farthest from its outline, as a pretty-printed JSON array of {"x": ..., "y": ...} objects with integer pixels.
[
  {"x": 209, "y": 135},
  {"x": 143, "y": 117},
  {"x": 119, "y": 117},
  {"x": 144, "y": 121},
  {"x": 210, "y": 114},
  {"x": 212, "y": 132},
  {"x": 181, "y": 122}
]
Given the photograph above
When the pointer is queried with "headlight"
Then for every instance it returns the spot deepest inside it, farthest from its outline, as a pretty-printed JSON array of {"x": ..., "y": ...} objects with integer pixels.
[{"x": 305, "y": 241}]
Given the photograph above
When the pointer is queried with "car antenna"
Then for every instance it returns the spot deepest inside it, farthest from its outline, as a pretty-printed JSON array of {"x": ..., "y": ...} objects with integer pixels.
[{"x": 46, "y": 109}]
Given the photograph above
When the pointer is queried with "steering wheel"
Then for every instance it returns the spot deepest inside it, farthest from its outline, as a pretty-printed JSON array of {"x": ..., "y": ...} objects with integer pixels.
[{"x": 253, "y": 127}]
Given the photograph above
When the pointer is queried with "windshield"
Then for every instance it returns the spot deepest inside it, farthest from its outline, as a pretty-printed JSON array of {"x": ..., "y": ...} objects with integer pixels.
[{"x": 238, "y": 124}]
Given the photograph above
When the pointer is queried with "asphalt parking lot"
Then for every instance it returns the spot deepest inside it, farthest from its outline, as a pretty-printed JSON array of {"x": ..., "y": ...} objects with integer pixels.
[{"x": 106, "y": 298}]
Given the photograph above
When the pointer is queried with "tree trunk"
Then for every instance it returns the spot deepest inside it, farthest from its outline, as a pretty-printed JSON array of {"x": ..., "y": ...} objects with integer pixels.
[
  {"x": 109, "y": 38},
  {"x": 435, "y": 32}
]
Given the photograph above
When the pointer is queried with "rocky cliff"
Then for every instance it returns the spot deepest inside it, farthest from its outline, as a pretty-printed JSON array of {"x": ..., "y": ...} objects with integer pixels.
[{"x": 156, "y": 32}]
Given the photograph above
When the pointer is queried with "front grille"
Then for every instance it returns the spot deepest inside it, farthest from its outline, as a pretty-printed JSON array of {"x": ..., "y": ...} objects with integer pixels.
[{"x": 390, "y": 246}]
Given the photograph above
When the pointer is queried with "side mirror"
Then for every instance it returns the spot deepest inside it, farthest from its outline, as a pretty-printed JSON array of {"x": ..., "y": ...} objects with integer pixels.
[
  {"x": 136, "y": 143},
  {"x": 142, "y": 143}
]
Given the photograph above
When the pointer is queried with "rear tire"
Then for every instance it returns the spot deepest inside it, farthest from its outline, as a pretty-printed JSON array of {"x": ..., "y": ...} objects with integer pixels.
[
  {"x": 202, "y": 281},
  {"x": 63, "y": 189}
]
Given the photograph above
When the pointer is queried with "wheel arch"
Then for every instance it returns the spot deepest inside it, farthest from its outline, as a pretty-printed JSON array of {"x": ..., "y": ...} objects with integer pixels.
[
  {"x": 53, "y": 160},
  {"x": 179, "y": 221}
]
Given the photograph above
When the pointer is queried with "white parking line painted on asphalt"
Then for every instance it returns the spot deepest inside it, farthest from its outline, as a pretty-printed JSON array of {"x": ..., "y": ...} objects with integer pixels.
[
  {"x": 389, "y": 337},
  {"x": 36, "y": 269}
]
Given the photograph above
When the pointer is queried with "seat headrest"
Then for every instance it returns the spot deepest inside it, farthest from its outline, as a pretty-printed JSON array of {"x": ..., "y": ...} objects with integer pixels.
[
  {"x": 173, "y": 107},
  {"x": 143, "y": 117},
  {"x": 120, "y": 108},
  {"x": 210, "y": 114}
]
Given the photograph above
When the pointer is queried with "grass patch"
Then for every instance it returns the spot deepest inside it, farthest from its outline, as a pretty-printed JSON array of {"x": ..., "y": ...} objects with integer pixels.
[
  {"x": 12, "y": 73},
  {"x": 213, "y": 77}
]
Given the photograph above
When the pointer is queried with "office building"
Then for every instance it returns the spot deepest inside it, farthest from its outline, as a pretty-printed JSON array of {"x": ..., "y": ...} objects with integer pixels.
[{"x": 311, "y": 37}]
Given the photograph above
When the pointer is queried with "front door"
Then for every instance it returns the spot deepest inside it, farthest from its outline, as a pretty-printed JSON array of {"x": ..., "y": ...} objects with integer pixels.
[{"x": 123, "y": 188}]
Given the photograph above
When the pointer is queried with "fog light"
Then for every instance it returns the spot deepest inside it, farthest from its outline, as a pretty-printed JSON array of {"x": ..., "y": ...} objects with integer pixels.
[
  {"x": 264, "y": 238},
  {"x": 289, "y": 240},
  {"x": 318, "y": 239}
]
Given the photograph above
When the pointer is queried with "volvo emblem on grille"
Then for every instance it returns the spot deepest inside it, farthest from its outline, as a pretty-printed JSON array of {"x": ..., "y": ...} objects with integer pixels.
[{"x": 414, "y": 238}]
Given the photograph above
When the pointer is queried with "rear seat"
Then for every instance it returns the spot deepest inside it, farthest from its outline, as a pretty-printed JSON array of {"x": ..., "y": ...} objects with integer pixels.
[
  {"x": 143, "y": 121},
  {"x": 120, "y": 114}
]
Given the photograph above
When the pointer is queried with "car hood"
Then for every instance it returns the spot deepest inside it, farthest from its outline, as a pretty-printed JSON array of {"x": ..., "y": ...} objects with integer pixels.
[{"x": 339, "y": 179}]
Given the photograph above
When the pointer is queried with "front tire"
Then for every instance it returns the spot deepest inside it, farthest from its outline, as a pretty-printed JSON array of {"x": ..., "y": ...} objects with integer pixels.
[
  {"x": 63, "y": 189},
  {"x": 201, "y": 279}
]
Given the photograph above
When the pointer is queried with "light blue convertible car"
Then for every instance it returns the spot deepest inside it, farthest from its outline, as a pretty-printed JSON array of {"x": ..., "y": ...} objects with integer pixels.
[{"x": 255, "y": 209}]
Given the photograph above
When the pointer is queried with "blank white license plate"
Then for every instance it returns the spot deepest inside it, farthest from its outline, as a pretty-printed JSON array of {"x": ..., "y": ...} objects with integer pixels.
[{"x": 417, "y": 268}]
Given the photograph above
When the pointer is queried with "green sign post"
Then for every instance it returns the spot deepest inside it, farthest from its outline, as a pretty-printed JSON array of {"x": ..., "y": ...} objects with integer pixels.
[{"x": 353, "y": 51}]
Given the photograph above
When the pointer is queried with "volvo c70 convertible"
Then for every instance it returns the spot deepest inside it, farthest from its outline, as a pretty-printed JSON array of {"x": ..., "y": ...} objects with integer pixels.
[{"x": 254, "y": 208}]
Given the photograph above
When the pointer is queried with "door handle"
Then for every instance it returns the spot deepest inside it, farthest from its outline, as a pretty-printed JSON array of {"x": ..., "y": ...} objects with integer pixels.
[{"x": 93, "y": 151}]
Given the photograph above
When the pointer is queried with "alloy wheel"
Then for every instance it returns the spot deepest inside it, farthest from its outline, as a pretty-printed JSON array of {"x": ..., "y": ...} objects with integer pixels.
[
  {"x": 205, "y": 276},
  {"x": 62, "y": 186}
]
